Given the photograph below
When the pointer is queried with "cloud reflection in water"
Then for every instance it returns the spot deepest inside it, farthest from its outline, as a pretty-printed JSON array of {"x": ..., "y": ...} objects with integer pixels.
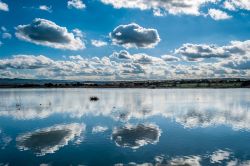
[
  {"x": 189, "y": 107},
  {"x": 50, "y": 139},
  {"x": 136, "y": 136}
]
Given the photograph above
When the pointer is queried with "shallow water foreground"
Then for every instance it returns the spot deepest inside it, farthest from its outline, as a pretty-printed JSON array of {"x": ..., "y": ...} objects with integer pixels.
[{"x": 124, "y": 127}]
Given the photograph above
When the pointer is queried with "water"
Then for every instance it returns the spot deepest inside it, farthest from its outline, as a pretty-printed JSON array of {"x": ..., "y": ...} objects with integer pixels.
[{"x": 125, "y": 126}]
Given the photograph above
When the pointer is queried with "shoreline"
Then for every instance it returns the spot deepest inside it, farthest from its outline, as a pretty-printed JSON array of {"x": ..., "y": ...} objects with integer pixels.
[{"x": 163, "y": 84}]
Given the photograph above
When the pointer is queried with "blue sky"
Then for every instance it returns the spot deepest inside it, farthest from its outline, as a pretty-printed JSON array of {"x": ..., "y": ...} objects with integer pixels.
[{"x": 161, "y": 39}]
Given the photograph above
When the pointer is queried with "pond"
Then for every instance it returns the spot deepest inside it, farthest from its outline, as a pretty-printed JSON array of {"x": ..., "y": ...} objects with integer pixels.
[{"x": 124, "y": 127}]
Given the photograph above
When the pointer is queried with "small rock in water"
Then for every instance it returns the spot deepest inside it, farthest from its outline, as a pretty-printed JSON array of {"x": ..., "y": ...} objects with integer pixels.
[{"x": 93, "y": 98}]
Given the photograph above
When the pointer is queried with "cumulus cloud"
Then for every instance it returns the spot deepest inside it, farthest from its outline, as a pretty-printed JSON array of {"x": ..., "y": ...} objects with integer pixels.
[
  {"x": 230, "y": 60},
  {"x": 140, "y": 58},
  {"x": 170, "y": 58},
  {"x": 45, "y": 8},
  {"x": 26, "y": 62},
  {"x": 133, "y": 35},
  {"x": 218, "y": 14},
  {"x": 78, "y": 4},
  {"x": 136, "y": 136},
  {"x": 76, "y": 57},
  {"x": 4, "y": 6},
  {"x": 171, "y": 6},
  {"x": 50, "y": 139},
  {"x": 123, "y": 54},
  {"x": 200, "y": 51},
  {"x": 47, "y": 33},
  {"x": 237, "y": 4},
  {"x": 78, "y": 32},
  {"x": 146, "y": 59},
  {"x": 159, "y": 13},
  {"x": 239, "y": 63},
  {"x": 98, "y": 43},
  {"x": 239, "y": 60}
]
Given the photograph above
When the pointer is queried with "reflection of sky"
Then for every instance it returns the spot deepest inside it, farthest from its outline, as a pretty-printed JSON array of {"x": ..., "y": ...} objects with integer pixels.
[
  {"x": 99, "y": 129},
  {"x": 219, "y": 157},
  {"x": 4, "y": 140},
  {"x": 165, "y": 126},
  {"x": 191, "y": 108}
]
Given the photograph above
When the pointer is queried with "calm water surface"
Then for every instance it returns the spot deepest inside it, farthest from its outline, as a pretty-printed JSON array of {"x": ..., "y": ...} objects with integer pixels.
[{"x": 125, "y": 127}]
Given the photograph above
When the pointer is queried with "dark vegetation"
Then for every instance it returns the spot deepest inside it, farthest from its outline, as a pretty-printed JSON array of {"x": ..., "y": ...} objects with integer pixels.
[{"x": 185, "y": 83}]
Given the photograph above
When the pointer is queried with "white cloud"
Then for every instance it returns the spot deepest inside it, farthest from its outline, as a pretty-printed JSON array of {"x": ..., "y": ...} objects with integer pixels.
[
  {"x": 237, "y": 4},
  {"x": 146, "y": 59},
  {"x": 77, "y": 67},
  {"x": 239, "y": 60},
  {"x": 4, "y": 6},
  {"x": 78, "y": 4},
  {"x": 170, "y": 58},
  {"x": 123, "y": 54},
  {"x": 228, "y": 5},
  {"x": 140, "y": 58},
  {"x": 47, "y": 33},
  {"x": 194, "y": 52},
  {"x": 232, "y": 60},
  {"x": 159, "y": 13},
  {"x": 45, "y": 8},
  {"x": 218, "y": 14},
  {"x": 76, "y": 57},
  {"x": 78, "y": 32},
  {"x": 135, "y": 36},
  {"x": 26, "y": 62},
  {"x": 98, "y": 43},
  {"x": 188, "y": 7}
]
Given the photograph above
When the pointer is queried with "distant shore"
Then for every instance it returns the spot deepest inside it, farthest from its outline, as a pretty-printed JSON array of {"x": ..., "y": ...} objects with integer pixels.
[{"x": 191, "y": 83}]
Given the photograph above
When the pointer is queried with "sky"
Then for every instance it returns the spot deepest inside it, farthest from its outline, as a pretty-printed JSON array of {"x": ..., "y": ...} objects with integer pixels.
[{"x": 124, "y": 39}]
